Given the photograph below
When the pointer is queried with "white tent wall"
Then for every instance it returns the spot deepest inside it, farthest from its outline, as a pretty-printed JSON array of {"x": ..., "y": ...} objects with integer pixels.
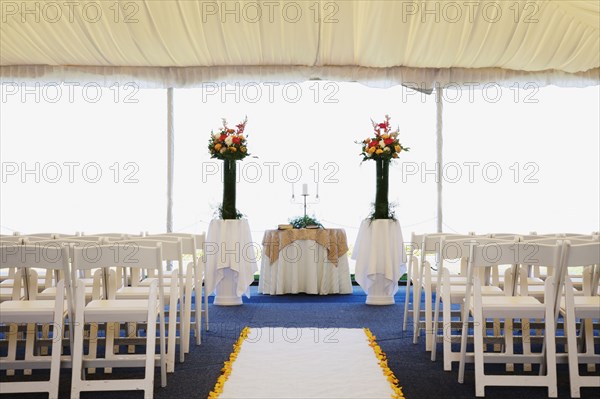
[
  {"x": 526, "y": 160},
  {"x": 80, "y": 165},
  {"x": 126, "y": 47},
  {"x": 305, "y": 141},
  {"x": 558, "y": 133}
]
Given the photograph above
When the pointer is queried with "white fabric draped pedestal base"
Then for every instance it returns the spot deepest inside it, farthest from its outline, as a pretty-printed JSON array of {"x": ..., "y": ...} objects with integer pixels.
[
  {"x": 230, "y": 261},
  {"x": 380, "y": 259},
  {"x": 303, "y": 266}
]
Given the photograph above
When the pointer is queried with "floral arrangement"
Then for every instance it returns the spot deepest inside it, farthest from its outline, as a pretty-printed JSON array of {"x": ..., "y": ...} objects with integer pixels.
[
  {"x": 384, "y": 144},
  {"x": 382, "y": 148},
  {"x": 229, "y": 143},
  {"x": 302, "y": 222}
]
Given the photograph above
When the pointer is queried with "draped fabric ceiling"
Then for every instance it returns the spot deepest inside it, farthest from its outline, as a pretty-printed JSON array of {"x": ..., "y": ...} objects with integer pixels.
[{"x": 183, "y": 43}]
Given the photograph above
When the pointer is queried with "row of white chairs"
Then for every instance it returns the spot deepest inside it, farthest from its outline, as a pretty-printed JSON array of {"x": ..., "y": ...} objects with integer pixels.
[
  {"x": 112, "y": 280},
  {"x": 490, "y": 302}
]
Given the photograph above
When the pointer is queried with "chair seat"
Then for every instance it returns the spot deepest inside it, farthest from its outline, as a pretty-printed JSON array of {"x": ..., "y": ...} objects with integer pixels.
[
  {"x": 6, "y": 294},
  {"x": 577, "y": 282},
  {"x": 27, "y": 311},
  {"x": 454, "y": 280},
  {"x": 537, "y": 291},
  {"x": 139, "y": 292},
  {"x": 9, "y": 282},
  {"x": 531, "y": 281},
  {"x": 50, "y": 293},
  {"x": 116, "y": 310},
  {"x": 87, "y": 281},
  {"x": 585, "y": 306},
  {"x": 512, "y": 306},
  {"x": 457, "y": 293},
  {"x": 147, "y": 281}
]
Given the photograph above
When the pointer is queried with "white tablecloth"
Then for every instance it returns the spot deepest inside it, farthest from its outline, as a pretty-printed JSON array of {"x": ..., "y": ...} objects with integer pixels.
[
  {"x": 230, "y": 253},
  {"x": 380, "y": 257},
  {"x": 302, "y": 266}
]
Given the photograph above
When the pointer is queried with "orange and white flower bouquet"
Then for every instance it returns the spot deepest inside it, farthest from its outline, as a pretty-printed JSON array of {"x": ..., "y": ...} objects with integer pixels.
[
  {"x": 383, "y": 143},
  {"x": 229, "y": 143}
]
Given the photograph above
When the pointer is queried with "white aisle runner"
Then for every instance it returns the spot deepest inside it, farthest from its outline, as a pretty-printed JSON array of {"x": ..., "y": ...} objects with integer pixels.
[{"x": 306, "y": 363}]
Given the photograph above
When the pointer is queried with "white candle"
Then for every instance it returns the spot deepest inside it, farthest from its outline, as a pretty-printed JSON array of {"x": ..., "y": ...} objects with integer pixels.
[{"x": 305, "y": 189}]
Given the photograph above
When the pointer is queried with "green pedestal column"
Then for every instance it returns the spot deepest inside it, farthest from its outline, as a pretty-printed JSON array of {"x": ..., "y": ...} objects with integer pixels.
[
  {"x": 229, "y": 182},
  {"x": 381, "y": 195}
]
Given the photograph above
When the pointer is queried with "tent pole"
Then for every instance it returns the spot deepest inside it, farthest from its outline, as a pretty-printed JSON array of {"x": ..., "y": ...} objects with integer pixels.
[
  {"x": 439, "y": 100},
  {"x": 170, "y": 158}
]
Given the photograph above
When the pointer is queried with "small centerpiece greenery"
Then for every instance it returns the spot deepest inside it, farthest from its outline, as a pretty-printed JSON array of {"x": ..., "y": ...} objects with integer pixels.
[{"x": 302, "y": 222}]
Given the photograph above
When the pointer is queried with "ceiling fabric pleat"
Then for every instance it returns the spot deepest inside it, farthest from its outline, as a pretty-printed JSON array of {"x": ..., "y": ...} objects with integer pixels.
[{"x": 183, "y": 43}]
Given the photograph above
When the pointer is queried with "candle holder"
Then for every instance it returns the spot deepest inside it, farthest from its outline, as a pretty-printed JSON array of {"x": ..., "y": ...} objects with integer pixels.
[{"x": 305, "y": 194}]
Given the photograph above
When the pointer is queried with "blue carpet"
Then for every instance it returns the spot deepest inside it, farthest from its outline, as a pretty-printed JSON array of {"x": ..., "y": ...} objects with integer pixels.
[{"x": 419, "y": 377}]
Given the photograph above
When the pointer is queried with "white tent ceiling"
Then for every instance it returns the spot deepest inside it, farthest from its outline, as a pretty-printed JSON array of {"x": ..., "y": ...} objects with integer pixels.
[{"x": 185, "y": 42}]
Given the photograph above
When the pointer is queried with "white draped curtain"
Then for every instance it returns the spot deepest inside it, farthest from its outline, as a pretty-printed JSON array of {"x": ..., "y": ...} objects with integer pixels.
[{"x": 195, "y": 77}]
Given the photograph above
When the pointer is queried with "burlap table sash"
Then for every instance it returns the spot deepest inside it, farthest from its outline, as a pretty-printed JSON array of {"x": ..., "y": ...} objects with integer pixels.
[{"x": 333, "y": 240}]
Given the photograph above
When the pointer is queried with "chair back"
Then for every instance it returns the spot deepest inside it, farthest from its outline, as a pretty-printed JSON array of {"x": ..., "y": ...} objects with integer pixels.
[
  {"x": 47, "y": 235},
  {"x": 188, "y": 243},
  {"x": 172, "y": 250},
  {"x": 581, "y": 254},
  {"x": 511, "y": 253},
  {"x": 14, "y": 239},
  {"x": 26, "y": 258},
  {"x": 455, "y": 247},
  {"x": 586, "y": 254},
  {"x": 119, "y": 255}
]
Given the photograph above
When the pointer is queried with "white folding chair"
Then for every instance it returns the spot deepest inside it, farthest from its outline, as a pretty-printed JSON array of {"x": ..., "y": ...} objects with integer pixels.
[
  {"x": 427, "y": 284},
  {"x": 111, "y": 310},
  {"x": 533, "y": 288},
  {"x": 36, "y": 312},
  {"x": 422, "y": 283},
  {"x": 7, "y": 275},
  {"x": 451, "y": 291},
  {"x": 173, "y": 293},
  {"x": 7, "y": 280},
  {"x": 585, "y": 307},
  {"x": 193, "y": 283},
  {"x": 200, "y": 291},
  {"x": 508, "y": 308},
  {"x": 412, "y": 269}
]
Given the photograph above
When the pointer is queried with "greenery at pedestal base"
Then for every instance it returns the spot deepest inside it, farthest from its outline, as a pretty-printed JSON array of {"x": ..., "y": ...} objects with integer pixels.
[
  {"x": 219, "y": 214},
  {"x": 391, "y": 215}
]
